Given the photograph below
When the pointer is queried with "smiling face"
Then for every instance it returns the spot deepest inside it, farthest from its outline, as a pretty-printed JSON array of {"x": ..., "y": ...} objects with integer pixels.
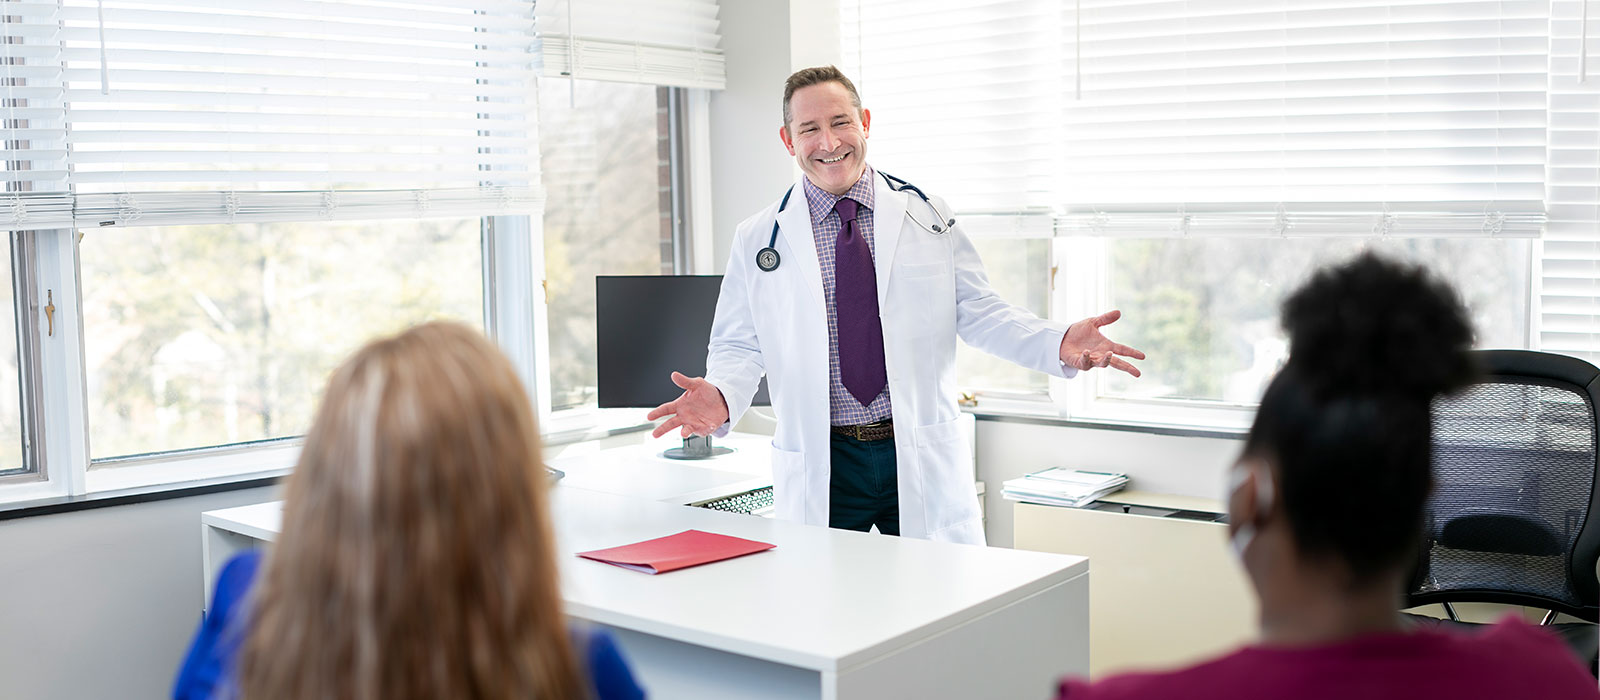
[{"x": 827, "y": 135}]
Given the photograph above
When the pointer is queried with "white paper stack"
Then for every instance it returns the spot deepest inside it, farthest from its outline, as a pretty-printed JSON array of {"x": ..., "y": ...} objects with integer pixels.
[{"x": 1060, "y": 486}]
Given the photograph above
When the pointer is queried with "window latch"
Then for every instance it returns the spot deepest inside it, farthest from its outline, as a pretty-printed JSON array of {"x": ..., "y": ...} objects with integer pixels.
[{"x": 50, "y": 311}]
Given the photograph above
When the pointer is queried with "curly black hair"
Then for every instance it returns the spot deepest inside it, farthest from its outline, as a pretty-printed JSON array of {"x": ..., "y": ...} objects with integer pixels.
[{"x": 1347, "y": 423}]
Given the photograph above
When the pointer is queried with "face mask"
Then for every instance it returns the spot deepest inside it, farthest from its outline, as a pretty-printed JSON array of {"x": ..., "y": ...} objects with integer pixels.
[
  {"x": 1246, "y": 532},
  {"x": 1241, "y": 538}
]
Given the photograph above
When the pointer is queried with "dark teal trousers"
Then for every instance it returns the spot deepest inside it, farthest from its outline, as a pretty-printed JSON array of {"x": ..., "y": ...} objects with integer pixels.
[{"x": 863, "y": 488}]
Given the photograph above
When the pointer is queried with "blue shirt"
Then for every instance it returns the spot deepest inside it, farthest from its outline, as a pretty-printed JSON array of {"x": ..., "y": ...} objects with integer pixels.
[{"x": 207, "y": 670}]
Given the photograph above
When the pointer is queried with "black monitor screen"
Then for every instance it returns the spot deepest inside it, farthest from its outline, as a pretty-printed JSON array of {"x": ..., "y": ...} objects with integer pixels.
[{"x": 647, "y": 327}]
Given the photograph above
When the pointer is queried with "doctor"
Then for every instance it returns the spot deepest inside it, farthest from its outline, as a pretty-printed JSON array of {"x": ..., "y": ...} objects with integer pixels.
[{"x": 848, "y": 292}]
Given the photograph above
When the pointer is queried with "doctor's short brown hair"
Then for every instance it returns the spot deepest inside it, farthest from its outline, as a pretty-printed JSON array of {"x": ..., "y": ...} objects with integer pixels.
[{"x": 806, "y": 77}]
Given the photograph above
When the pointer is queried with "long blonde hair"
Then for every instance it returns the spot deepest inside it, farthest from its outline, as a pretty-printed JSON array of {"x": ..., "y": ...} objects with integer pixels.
[{"x": 416, "y": 558}]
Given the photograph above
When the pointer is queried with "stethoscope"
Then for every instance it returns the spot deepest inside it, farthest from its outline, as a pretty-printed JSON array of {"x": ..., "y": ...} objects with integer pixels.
[{"x": 767, "y": 258}]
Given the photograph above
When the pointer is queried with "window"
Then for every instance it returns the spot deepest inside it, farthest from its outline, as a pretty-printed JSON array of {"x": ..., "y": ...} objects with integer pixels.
[
  {"x": 262, "y": 188},
  {"x": 604, "y": 158},
  {"x": 1198, "y": 160},
  {"x": 1019, "y": 271},
  {"x": 1206, "y": 310},
  {"x": 202, "y": 336}
]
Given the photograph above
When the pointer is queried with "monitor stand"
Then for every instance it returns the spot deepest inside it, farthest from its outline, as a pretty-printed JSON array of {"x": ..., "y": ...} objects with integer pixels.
[{"x": 696, "y": 447}]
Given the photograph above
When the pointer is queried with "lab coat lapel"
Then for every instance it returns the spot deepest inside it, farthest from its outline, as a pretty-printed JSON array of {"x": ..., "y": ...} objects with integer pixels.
[
  {"x": 887, "y": 221},
  {"x": 795, "y": 224}
]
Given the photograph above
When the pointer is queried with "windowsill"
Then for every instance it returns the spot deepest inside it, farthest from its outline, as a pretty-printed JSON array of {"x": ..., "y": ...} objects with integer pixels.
[
  {"x": 230, "y": 469},
  {"x": 178, "y": 470},
  {"x": 194, "y": 475},
  {"x": 142, "y": 494},
  {"x": 1045, "y": 413}
]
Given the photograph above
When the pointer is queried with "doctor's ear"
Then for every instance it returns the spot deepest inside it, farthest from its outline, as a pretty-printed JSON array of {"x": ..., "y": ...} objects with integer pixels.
[
  {"x": 783, "y": 133},
  {"x": 866, "y": 121}
]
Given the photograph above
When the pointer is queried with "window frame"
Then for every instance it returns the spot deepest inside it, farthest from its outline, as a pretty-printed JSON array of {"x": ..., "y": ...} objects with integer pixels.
[
  {"x": 687, "y": 132},
  {"x": 24, "y": 271},
  {"x": 247, "y": 460}
]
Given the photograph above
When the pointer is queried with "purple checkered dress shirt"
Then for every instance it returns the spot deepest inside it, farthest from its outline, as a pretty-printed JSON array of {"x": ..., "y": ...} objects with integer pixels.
[{"x": 843, "y": 408}]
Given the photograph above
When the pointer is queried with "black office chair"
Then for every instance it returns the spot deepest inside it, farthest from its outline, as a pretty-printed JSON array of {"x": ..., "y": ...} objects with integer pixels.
[{"x": 1514, "y": 464}]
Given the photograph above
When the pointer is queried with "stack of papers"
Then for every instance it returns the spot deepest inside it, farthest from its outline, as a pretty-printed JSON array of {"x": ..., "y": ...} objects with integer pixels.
[{"x": 1060, "y": 486}]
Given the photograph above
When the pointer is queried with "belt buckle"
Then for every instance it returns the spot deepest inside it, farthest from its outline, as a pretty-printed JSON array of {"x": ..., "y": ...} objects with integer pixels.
[{"x": 863, "y": 428}]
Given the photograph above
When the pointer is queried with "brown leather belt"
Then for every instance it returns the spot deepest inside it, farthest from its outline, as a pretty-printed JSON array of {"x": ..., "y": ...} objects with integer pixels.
[{"x": 868, "y": 432}]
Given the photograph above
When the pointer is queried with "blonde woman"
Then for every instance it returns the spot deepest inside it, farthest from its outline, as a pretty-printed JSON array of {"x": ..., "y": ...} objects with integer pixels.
[{"x": 416, "y": 558}]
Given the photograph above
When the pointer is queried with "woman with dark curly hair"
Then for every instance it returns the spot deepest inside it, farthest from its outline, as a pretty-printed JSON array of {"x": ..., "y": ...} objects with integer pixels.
[{"x": 1326, "y": 513}]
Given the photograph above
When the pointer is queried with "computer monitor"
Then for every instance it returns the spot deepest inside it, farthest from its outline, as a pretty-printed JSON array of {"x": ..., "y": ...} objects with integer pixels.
[{"x": 647, "y": 327}]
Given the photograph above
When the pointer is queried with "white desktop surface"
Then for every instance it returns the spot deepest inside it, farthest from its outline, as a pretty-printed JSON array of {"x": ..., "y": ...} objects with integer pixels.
[
  {"x": 642, "y": 472},
  {"x": 826, "y": 613}
]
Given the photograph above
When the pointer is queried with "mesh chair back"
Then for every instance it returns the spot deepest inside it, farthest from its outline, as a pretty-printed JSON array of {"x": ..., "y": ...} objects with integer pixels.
[{"x": 1514, "y": 464}]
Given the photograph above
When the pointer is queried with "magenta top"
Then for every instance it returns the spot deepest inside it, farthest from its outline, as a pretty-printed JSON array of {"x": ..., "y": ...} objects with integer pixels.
[{"x": 1510, "y": 659}]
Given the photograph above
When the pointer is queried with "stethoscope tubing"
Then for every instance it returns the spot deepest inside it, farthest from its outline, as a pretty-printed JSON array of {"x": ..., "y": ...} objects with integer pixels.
[{"x": 767, "y": 258}]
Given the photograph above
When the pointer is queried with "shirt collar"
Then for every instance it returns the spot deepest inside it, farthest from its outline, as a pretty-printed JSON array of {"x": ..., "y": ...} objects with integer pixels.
[{"x": 821, "y": 201}]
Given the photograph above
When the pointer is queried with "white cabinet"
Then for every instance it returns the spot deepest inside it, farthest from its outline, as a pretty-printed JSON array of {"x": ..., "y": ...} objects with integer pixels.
[{"x": 1164, "y": 592}]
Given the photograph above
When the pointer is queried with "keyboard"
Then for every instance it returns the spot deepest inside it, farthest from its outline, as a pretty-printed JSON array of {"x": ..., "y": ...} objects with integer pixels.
[{"x": 756, "y": 502}]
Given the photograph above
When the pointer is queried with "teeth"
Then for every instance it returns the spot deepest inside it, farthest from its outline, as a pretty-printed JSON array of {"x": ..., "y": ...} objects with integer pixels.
[{"x": 835, "y": 159}]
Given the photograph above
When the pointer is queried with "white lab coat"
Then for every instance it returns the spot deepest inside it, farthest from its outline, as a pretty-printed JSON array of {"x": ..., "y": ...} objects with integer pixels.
[{"x": 930, "y": 288}]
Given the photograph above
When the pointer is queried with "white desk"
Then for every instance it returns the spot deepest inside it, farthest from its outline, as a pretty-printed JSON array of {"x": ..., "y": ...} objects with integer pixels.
[
  {"x": 827, "y": 614},
  {"x": 641, "y": 471}
]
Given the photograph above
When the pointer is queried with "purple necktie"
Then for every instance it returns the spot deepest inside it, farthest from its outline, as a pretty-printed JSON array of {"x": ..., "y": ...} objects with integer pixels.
[{"x": 855, "y": 300}]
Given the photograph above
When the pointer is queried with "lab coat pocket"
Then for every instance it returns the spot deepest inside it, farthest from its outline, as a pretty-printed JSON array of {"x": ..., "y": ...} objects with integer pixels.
[
  {"x": 947, "y": 431},
  {"x": 917, "y": 271},
  {"x": 925, "y": 292},
  {"x": 788, "y": 484},
  {"x": 947, "y": 476}
]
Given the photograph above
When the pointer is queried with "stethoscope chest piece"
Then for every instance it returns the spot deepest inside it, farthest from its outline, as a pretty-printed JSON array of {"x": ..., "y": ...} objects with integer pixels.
[{"x": 767, "y": 259}]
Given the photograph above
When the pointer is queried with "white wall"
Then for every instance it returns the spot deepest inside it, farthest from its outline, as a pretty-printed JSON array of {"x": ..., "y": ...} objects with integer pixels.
[
  {"x": 763, "y": 42},
  {"x": 102, "y": 603},
  {"x": 749, "y": 167},
  {"x": 1189, "y": 466},
  {"x": 814, "y": 34}
]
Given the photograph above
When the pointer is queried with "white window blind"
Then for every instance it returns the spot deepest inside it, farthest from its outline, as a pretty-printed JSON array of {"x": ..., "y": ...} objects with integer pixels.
[
  {"x": 36, "y": 191},
  {"x": 1569, "y": 275},
  {"x": 240, "y": 111},
  {"x": 965, "y": 98},
  {"x": 1216, "y": 117},
  {"x": 1335, "y": 117},
  {"x": 659, "y": 42}
]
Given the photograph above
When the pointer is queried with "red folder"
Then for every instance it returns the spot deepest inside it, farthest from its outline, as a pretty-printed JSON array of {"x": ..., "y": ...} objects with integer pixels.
[{"x": 673, "y": 552}]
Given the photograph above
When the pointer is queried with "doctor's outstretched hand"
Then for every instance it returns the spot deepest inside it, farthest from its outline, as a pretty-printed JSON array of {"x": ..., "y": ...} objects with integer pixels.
[
  {"x": 699, "y": 411},
  {"x": 1085, "y": 348}
]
